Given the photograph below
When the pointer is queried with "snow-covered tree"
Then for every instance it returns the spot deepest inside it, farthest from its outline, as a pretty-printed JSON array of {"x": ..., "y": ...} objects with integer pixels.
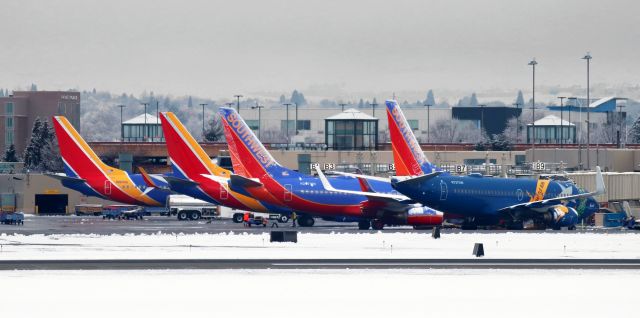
[
  {"x": 634, "y": 132},
  {"x": 520, "y": 99},
  {"x": 10, "y": 154},
  {"x": 42, "y": 152},
  {"x": 430, "y": 99},
  {"x": 215, "y": 131},
  {"x": 474, "y": 100},
  {"x": 298, "y": 98}
]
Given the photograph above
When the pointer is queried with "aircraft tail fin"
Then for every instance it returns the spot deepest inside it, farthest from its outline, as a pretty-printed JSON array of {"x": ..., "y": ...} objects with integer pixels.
[
  {"x": 248, "y": 154},
  {"x": 407, "y": 155},
  {"x": 188, "y": 159},
  {"x": 80, "y": 161}
]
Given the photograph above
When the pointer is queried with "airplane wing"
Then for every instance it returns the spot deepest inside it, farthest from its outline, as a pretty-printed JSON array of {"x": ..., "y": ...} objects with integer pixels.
[
  {"x": 64, "y": 177},
  {"x": 600, "y": 189},
  {"x": 376, "y": 196}
]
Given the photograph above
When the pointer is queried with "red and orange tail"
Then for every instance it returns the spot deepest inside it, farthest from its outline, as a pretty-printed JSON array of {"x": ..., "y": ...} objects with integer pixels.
[
  {"x": 78, "y": 157},
  {"x": 407, "y": 154},
  {"x": 188, "y": 159}
]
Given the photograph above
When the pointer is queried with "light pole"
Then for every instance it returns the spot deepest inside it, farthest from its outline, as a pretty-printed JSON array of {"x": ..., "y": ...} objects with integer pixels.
[
  {"x": 121, "y": 127},
  {"x": 203, "y": 105},
  {"x": 373, "y": 108},
  {"x": 561, "y": 121},
  {"x": 533, "y": 64},
  {"x": 157, "y": 119},
  {"x": 287, "y": 123},
  {"x": 482, "y": 106},
  {"x": 517, "y": 104},
  {"x": 428, "y": 119},
  {"x": 144, "y": 131},
  {"x": 259, "y": 108},
  {"x": 296, "y": 123},
  {"x": 342, "y": 105},
  {"x": 238, "y": 102},
  {"x": 588, "y": 58},
  {"x": 619, "y": 135}
]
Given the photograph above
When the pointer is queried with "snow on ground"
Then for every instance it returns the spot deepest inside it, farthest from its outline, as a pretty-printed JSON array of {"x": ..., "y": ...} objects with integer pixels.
[
  {"x": 335, "y": 245},
  {"x": 320, "y": 293}
]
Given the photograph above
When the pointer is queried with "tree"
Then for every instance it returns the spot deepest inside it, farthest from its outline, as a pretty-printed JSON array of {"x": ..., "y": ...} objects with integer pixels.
[
  {"x": 10, "y": 154},
  {"x": 1, "y": 92},
  {"x": 298, "y": 98},
  {"x": 634, "y": 132},
  {"x": 430, "y": 99},
  {"x": 361, "y": 103},
  {"x": 190, "y": 102},
  {"x": 215, "y": 132},
  {"x": 520, "y": 99},
  {"x": 34, "y": 87},
  {"x": 474, "y": 100},
  {"x": 283, "y": 99},
  {"x": 42, "y": 152}
]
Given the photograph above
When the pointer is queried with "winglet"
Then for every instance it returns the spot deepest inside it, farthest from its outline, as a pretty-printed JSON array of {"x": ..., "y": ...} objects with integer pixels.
[
  {"x": 147, "y": 178},
  {"x": 600, "y": 189},
  {"x": 323, "y": 179}
]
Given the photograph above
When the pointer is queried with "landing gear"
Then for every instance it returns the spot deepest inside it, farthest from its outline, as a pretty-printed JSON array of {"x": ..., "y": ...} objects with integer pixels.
[
  {"x": 571, "y": 228},
  {"x": 377, "y": 224},
  {"x": 364, "y": 224},
  {"x": 306, "y": 221}
]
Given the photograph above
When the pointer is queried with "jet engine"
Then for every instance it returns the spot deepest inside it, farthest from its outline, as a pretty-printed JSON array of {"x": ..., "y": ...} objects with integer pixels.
[
  {"x": 561, "y": 216},
  {"x": 422, "y": 215}
]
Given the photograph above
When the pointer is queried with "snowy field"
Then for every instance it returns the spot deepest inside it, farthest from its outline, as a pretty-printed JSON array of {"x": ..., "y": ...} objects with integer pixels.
[
  {"x": 320, "y": 293},
  {"x": 365, "y": 245}
]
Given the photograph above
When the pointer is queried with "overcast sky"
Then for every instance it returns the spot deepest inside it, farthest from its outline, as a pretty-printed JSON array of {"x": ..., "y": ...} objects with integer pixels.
[{"x": 220, "y": 48}]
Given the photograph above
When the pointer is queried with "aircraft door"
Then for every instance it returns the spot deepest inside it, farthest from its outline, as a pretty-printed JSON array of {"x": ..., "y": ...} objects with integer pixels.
[
  {"x": 288, "y": 192},
  {"x": 224, "y": 194},
  {"x": 107, "y": 187},
  {"x": 443, "y": 190}
]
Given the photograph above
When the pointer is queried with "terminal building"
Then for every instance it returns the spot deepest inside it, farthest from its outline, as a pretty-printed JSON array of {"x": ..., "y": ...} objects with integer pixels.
[{"x": 19, "y": 110}]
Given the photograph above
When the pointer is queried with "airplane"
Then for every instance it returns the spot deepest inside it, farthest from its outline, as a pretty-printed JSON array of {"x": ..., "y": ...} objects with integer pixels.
[
  {"x": 195, "y": 175},
  {"x": 373, "y": 203},
  {"x": 86, "y": 173},
  {"x": 483, "y": 200}
]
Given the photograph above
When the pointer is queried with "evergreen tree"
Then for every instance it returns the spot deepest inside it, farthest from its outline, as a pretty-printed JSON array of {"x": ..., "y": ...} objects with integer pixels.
[
  {"x": 10, "y": 154},
  {"x": 42, "y": 152},
  {"x": 430, "y": 99},
  {"x": 32, "y": 154},
  {"x": 361, "y": 103},
  {"x": 190, "y": 102},
  {"x": 298, "y": 98},
  {"x": 1, "y": 92},
  {"x": 520, "y": 99},
  {"x": 634, "y": 132},
  {"x": 283, "y": 99},
  {"x": 474, "y": 100},
  {"x": 34, "y": 87}
]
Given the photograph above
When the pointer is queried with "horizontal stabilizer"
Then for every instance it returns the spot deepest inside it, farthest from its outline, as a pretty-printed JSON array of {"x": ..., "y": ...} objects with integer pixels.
[
  {"x": 179, "y": 181},
  {"x": 415, "y": 180},
  {"x": 63, "y": 177},
  {"x": 387, "y": 197},
  {"x": 243, "y": 182}
]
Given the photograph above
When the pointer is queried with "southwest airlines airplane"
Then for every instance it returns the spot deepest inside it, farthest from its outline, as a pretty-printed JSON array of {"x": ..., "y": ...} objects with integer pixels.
[
  {"x": 195, "y": 175},
  {"x": 87, "y": 174},
  {"x": 342, "y": 196},
  {"x": 484, "y": 200}
]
